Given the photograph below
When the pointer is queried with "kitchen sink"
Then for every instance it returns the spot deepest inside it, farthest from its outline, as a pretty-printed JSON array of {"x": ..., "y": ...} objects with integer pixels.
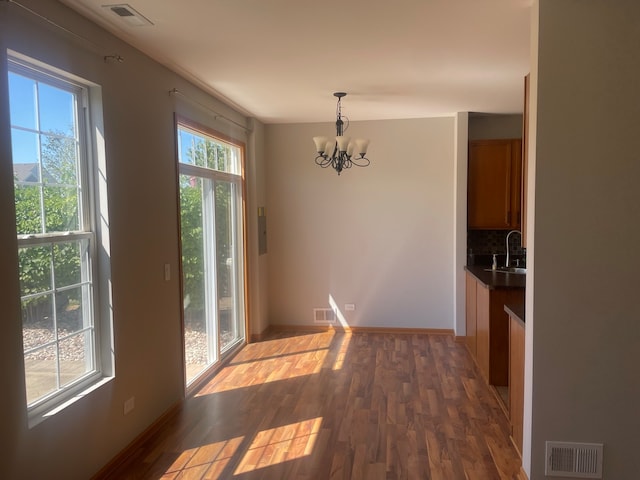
[{"x": 516, "y": 270}]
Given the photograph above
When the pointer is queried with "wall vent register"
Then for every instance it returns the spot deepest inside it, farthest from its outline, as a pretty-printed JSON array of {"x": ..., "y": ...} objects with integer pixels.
[
  {"x": 574, "y": 460},
  {"x": 325, "y": 316}
]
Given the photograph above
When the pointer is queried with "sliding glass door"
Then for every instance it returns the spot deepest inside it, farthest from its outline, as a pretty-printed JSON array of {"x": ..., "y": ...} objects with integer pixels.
[{"x": 212, "y": 247}]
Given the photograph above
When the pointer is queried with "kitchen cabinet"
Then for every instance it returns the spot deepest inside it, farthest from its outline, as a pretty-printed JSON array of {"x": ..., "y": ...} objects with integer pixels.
[
  {"x": 516, "y": 379},
  {"x": 470, "y": 314},
  {"x": 494, "y": 184},
  {"x": 483, "y": 334},
  {"x": 491, "y": 328}
]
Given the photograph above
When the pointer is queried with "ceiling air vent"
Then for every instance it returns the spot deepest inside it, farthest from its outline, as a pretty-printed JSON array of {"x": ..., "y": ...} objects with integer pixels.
[
  {"x": 575, "y": 460},
  {"x": 128, "y": 14}
]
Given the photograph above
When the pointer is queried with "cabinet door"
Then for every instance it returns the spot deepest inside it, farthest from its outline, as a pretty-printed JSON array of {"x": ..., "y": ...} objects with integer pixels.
[
  {"x": 516, "y": 380},
  {"x": 482, "y": 330},
  {"x": 494, "y": 177},
  {"x": 471, "y": 314},
  {"x": 499, "y": 328},
  {"x": 515, "y": 214}
]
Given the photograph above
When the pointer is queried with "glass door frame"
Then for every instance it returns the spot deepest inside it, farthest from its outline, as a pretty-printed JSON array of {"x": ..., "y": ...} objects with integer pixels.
[{"x": 237, "y": 184}]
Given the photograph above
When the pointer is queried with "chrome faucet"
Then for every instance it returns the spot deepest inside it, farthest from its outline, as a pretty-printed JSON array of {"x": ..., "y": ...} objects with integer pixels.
[{"x": 506, "y": 262}]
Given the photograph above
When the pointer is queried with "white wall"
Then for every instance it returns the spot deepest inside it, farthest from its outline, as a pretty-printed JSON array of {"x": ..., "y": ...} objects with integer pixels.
[
  {"x": 585, "y": 328},
  {"x": 380, "y": 237},
  {"x": 141, "y": 175},
  {"x": 460, "y": 221},
  {"x": 257, "y": 198}
]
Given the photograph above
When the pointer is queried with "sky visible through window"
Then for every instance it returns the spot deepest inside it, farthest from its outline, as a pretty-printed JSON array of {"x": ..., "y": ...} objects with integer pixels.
[
  {"x": 186, "y": 142},
  {"x": 36, "y": 106}
]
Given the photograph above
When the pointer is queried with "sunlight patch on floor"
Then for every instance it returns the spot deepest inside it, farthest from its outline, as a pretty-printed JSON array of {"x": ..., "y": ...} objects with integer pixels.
[
  {"x": 258, "y": 372},
  {"x": 280, "y": 444},
  {"x": 342, "y": 350},
  {"x": 211, "y": 458}
]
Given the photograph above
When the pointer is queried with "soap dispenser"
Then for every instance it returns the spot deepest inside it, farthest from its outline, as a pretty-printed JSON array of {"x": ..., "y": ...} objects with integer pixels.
[{"x": 494, "y": 265}]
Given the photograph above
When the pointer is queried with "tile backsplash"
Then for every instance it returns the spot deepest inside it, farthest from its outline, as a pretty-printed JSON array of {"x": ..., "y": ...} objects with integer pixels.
[{"x": 484, "y": 243}]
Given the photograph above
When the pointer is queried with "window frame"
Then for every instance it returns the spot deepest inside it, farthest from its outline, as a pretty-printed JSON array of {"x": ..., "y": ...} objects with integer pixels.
[
  {"x": 86, "y": 232},
  {"x": 236, "y": 178}
]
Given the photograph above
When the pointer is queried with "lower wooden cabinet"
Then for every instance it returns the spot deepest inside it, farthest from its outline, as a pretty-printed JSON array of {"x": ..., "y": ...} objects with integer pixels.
[
  {"x": 516, "y": 380},
  {"x": 483, "y": 334},
  {"x": 471, "y": 319},
  {"x": 491, "y": 333}
]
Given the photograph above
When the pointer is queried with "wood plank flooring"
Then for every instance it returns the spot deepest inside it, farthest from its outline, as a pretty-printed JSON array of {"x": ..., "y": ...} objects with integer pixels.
[{"x": 336, "y": 406}]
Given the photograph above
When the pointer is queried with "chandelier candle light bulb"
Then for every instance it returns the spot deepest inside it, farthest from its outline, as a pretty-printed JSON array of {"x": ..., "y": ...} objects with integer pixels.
[{"x": 339, "y": 154}]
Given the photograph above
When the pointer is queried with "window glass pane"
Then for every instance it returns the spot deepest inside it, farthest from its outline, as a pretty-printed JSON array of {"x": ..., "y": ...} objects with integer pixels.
[
  {"x": 35, "y": 270},
  {"x": 57, "y": 110},
  {"x": 24, "y": 151},
  {"x": 215, "y": 157},
  {"x": 37, "y": 321},
  {"x": 74, "y": 362},
  {"x": 28, "y": 209},
  {"x": 41, "y": 373},
  {"x": 22, "y": 102},
  {"x": 192, "y": 148},
  {"x": 66, "y": 264},
  {"x": 69, "y": 312},
  {"x": 61, "y": 210},
  {"x": 196, "y": 149},
  {"x": 225, "y": 262},
  {"x": 193, "y": 270},
  {"x": 59, "y": 160}
]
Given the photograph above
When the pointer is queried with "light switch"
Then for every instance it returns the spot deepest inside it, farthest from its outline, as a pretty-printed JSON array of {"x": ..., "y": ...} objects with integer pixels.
[{"x": 167, "y": 272}]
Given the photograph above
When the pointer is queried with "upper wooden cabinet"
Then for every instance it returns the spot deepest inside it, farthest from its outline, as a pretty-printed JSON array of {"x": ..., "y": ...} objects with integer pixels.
[{"x": 494, "y": 184}]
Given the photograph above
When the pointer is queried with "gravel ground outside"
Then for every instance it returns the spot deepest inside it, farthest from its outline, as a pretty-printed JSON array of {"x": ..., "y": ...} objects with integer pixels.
[
  {"x": 72, "y": 348},
  {"x": 41, "y": 364}
]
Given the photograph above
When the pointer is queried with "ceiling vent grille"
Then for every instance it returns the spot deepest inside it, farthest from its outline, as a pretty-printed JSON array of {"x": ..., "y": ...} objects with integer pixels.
[
  {"x": 575, "y": 460},
  {"x": 128, "y": 14}
]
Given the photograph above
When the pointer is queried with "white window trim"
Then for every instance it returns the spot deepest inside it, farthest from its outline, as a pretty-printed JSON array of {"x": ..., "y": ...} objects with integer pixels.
[{"x": 93, "y": 205}]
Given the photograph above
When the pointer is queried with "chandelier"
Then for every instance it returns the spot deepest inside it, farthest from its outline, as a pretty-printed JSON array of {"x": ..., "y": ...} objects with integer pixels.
[{"x": 341, "y": 152}]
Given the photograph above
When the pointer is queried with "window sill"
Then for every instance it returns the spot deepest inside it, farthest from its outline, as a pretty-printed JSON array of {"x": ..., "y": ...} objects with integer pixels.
[{"x": 36, "y": 416}]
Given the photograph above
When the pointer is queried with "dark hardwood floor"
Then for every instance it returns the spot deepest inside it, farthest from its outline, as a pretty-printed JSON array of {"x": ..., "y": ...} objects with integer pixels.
[{"x": 336, "y": 406}]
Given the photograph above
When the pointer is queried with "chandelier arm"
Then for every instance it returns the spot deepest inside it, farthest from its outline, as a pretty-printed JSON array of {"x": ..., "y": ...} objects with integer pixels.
[
  {"x": 361, "y": 162},
  {"x": 323, "y": 161},
  {"x": 346, "y": 122}
]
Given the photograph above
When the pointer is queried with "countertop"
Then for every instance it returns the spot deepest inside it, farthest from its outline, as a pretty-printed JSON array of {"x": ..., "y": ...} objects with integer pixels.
[
  {"x": 493, "y": 279},
  {"x": 515, "y": 310}
]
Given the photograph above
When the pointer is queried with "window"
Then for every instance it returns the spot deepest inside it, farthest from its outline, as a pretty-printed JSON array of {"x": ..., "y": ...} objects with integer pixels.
[
  {"x": 56, "y": 235},
  {"x": 212, "y": 247}
]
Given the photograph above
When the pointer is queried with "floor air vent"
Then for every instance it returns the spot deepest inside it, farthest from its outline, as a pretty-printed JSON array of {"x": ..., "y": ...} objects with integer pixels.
[
  {"x": 574, "y": 460},
  {"x": 324, "y": 316}
]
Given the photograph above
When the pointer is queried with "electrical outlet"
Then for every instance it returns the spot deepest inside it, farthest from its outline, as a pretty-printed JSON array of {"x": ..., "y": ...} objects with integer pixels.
[
  {"x": 349, "y": 307},
  {"x": 129, "y": 405}
]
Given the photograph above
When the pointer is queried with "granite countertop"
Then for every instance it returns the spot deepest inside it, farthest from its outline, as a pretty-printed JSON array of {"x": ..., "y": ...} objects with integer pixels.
[
  {"x": 492, "y": 279},
  {"x": 515, "y": 310}
]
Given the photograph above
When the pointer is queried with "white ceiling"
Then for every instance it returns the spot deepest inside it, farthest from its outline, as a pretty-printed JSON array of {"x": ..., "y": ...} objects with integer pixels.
[{"x": 281, "y": 60}]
